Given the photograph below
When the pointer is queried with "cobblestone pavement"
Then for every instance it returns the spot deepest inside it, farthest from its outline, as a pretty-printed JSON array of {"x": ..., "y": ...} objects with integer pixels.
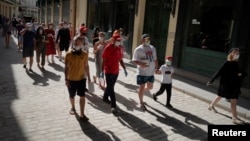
[{"x": 35, "y": 107}]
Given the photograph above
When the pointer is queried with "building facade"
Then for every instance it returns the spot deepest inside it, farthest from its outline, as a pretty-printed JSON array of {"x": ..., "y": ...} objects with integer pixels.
[
  {"x": 8, "y": 8},
  {"x": 197, "y": 33},
  {"x": 207, "y": 30}
]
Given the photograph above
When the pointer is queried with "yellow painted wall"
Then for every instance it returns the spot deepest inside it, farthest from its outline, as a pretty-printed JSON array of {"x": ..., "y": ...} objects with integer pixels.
[
  {"x": 138, "y": 24},
  {"x": 171, "y": 31}
]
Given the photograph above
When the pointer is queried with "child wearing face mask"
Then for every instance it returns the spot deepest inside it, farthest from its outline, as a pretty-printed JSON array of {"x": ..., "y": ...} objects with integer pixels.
[
  {"x": 230, "y": 83},
  {"x": 166, "y": 70}
]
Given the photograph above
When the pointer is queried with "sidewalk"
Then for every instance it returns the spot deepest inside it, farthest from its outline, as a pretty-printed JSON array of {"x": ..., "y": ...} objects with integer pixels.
[{"x": 198, "y": 90}]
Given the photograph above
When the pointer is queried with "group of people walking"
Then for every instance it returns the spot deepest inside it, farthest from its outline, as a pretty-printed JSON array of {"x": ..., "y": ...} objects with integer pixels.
[{"x": 109, "y": 53}]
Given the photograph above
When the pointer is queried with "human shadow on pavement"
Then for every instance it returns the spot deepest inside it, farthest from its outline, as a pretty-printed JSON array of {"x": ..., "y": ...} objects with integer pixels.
[
  {"x": 187, "y": 128},
  {"x": 96, "y": 102},
  {"x": 57, "y": 67},
  {"x": 38, "y": 79},
  {"x": 133, "y": 88},
  {"x": 50, "y": 75},
  {"x": 147, "y": 131},
  {"x": 94, "y": 133}
]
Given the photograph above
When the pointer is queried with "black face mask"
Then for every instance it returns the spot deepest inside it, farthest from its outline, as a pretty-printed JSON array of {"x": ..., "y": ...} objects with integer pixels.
[
  {"x": 76, "y": 52},
  {"x": 84, "y": 34}
]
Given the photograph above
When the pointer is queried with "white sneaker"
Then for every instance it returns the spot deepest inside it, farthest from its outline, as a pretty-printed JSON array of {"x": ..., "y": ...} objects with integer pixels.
[{"x": 237, "y": 121}]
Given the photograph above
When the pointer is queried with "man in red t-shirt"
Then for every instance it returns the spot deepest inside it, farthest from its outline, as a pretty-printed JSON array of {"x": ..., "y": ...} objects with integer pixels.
[{"x": 112, "y": 57}]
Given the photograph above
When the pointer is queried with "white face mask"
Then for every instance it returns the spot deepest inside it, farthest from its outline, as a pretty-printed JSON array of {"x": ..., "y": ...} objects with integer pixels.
[
  {"x": 50, "y": 27},
  {"x": 168, "y": 63},
  {"x": 147, "y": 43},
  {"x": 236, "y": 57},
  {"x": 77, "y": 48},
  {"x": 29, "y": 28},
  {"x": 117, "y": 43},
  {"x": 101, "y": 38}
]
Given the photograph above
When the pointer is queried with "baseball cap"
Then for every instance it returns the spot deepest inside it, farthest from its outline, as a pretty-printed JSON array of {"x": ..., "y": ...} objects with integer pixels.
[
  {"x": 83, "y": 29},
  {"x": 145, "y": 36},
  {"x": 117, "y": 37},
  {"x": 169, "y": 57}
]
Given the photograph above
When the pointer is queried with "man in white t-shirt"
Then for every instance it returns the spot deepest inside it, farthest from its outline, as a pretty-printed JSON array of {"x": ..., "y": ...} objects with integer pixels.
[
  {"x": 166, "y": 81},
  {"x": 145, "y": 58}
]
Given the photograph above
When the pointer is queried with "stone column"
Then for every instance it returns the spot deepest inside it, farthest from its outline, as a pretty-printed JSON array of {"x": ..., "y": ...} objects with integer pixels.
[{"x": 139, "y": 22}]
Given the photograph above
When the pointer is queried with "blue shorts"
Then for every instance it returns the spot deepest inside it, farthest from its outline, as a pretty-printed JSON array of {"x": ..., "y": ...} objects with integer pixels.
[
  {"x": 20, "y": 38},
  {"x": 144, "y": 79},
  {"x": 77, "y": 87}
]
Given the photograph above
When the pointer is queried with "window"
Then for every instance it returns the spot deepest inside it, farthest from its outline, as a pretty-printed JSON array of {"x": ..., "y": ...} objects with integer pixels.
[{"x": 210, "y": 24}]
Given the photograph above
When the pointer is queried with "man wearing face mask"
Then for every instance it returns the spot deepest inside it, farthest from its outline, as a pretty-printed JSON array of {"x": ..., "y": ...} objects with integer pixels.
[
  {"x": 63, "y": 37},
  {"x": 28, "y": 45},
  {"x": 166, "y": 70},
  {"x": 146, "y": 60},
  {"x": 98, "y": 51},
  {"x": 230, "y": 83},
  {"x": 112, "y": 57},
  {"x": 75, "y": 70}
]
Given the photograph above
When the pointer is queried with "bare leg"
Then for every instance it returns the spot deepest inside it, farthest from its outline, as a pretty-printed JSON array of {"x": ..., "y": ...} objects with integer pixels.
[
  {"x": 213, "y": 103},
  {"x": 148, "y": 87},
  {"x": 82, "y": 106},
  {"x": 24, "y": 62},
  {"x": 233, "y": 108},
  {"x": 141, "y": 93},
  {"x": 31, "y": 62},
  {"x": 72, "y": 102}
]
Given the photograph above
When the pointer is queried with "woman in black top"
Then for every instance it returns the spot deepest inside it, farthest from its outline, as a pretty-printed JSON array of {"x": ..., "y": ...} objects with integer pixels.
[
  {"x": 230, "y": 82},
  {"x": 95, "y": 35}
]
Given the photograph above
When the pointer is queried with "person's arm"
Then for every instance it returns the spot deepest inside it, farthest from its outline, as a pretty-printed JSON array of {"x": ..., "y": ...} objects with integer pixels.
[
  {"x": 87, "y": 68},
  {"x": 95, "y": 48},
  {"x": 66, "y": 70},
  {"x": 217, "y": 74},
  {"x": 23, "y": 31},
  {"x": 58, "y": 35}
]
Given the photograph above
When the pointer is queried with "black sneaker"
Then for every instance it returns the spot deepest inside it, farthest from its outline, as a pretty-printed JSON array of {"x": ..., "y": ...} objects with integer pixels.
[
  {"x": 106, "y": 101},
  {"x": 24, "y": 66},
  {"x": 154, "y": 97},
  {"x": 31, "y": 70},
  {"x": 169, "y": 106},
  {"x": 114, "y": 111}
]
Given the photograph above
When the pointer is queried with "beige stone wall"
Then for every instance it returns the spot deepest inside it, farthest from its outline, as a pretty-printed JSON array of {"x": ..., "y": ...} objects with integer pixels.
[
  {"x": 138, "y": 24},
  {"x": 7, "y": 9},
  {"x": 171, "y": 31}
]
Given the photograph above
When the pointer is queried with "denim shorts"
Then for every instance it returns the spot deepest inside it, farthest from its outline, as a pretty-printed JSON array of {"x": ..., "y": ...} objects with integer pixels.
[
  {"x": 144, "y": 79},
  {"x": 77, "y": 87}
]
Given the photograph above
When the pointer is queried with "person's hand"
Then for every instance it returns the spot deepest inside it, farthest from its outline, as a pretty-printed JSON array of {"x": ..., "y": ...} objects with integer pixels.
[
  {"x": 102, "y": 74},
  {"x": 126, "y": 73},
  {"x": 67, "y": 83},
  {"x": 143, "y": 65},
  {"x": 209, "y": 83}
]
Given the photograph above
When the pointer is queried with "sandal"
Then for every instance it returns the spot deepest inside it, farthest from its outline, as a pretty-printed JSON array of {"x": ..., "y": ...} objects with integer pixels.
[
  {"x": 84, "y": 118},
  {"x": 72, "y": 111}
]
